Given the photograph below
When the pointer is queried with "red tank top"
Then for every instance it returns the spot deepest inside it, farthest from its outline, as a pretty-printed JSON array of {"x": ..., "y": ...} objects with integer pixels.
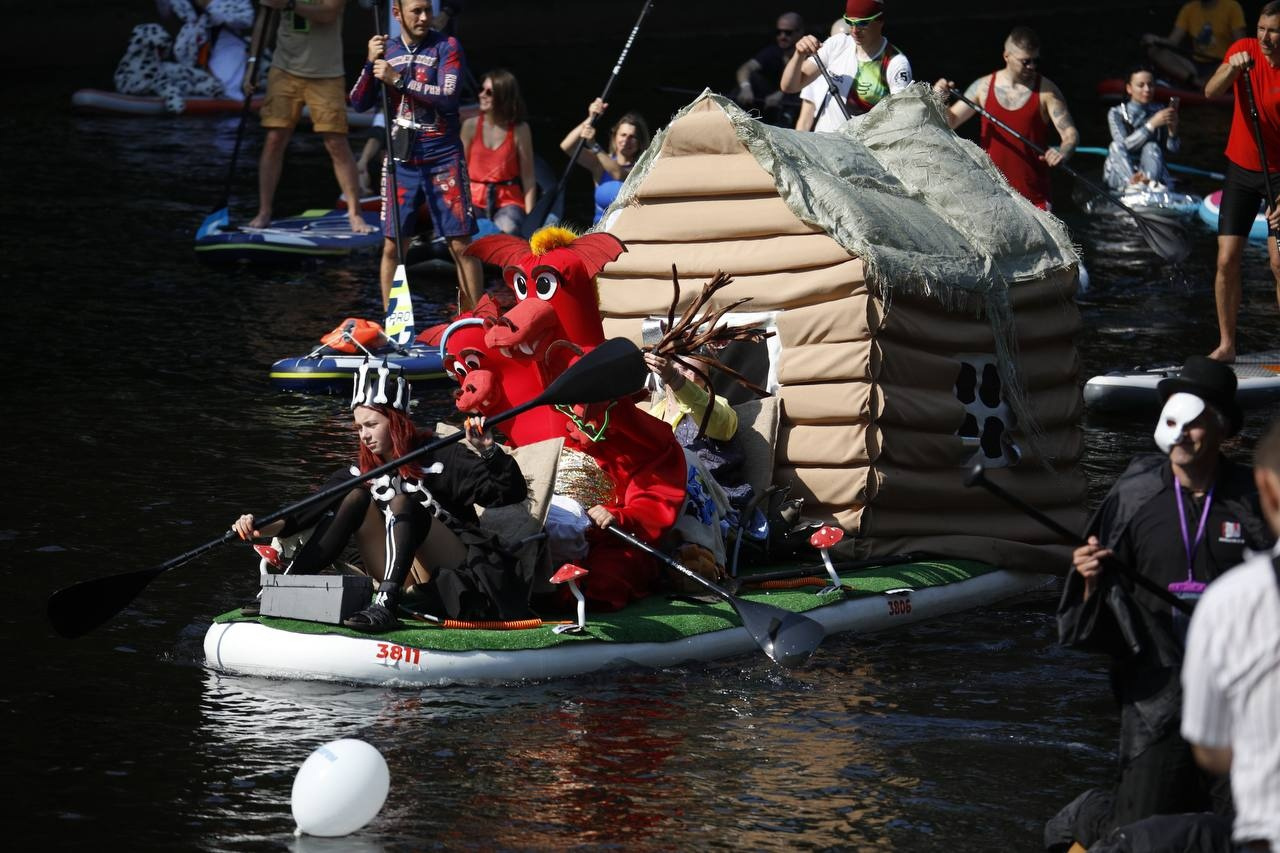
[
  {"x": 1023, "y": 168},
  {"x": 494, "y": 172}
]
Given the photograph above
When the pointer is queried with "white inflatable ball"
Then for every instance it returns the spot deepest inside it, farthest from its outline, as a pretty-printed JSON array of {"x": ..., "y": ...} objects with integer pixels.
[{"x": 339, "y": 788}]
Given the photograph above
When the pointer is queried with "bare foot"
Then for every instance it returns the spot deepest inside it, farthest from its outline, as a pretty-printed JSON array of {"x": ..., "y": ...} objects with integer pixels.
[
  {"x": 262, "y": 220},
  {"x": 358, "y": 225},
  {"x": 1224, "y": 354}
]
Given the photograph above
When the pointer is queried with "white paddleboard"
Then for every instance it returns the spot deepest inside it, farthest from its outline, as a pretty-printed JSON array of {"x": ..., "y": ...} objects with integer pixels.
[{"x": 1258, "y": 375}]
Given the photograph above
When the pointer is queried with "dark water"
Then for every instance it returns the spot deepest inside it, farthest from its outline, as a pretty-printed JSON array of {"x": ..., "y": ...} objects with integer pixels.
[{"x": 140, "y": 422}]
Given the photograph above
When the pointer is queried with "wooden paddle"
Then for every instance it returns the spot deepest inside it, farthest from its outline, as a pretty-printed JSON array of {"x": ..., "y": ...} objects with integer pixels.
[
  {"x": 537, "y": 217},
  {"x": 613, "y": 369},
  {"x": 1164, "y": 235},
  {"x": 787, "y": 638},
  {"x": 978, "y": 477},
  {"x": 1247, "y": 80},
  {"x": 265, "y": 18}
]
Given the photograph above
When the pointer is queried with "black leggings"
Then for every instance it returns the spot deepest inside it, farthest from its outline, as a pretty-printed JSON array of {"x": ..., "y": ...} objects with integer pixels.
[{"x": 407, "y": 525}]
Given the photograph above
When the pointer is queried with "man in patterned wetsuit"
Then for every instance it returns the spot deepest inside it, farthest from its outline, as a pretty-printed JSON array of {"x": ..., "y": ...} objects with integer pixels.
[
  {"x": 862, "y": 63},
  {"x": 421, "y": 70}
]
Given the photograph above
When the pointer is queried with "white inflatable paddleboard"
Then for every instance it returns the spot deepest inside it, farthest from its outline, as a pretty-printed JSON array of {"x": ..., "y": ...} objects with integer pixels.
[{"x": 1258, "y": 375}]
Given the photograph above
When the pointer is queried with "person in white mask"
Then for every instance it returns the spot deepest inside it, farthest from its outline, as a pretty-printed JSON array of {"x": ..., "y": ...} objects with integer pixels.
[{"x": 1180, "y": 518}]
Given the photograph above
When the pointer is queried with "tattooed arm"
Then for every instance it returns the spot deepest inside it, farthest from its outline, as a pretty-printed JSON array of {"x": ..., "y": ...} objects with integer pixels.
[
  {"x": 960, "y": 112},
  {"x": 1059, "y": 116}
]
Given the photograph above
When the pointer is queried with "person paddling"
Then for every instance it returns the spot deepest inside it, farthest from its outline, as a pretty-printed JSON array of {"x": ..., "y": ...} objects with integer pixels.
[
  {"x": 1181, "y": 519},
  {"x": 1027, "y": 101},
  {"x": 1246, "y": 185},
  {"x": 864, "y": 66},
  {"x": 628, "y": 139},
  {"x": 418, "y": 524},
  {"x": 419, "y": 71}
]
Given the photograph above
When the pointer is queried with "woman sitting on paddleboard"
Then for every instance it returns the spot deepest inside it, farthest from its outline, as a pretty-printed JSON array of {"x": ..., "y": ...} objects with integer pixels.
[
  {"x": 627, "y": 141},
  {"x": 418, "y": 524},
  {"x": 499, "y": 150},
  {"x": 1141, "y": 133}
]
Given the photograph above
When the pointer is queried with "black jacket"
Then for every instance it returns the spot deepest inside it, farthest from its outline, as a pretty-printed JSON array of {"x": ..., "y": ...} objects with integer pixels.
[{"x": 1138, "y": 521}]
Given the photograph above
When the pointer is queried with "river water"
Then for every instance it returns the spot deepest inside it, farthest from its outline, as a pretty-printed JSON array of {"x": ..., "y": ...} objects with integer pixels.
[{"x": 141, "y": 422}]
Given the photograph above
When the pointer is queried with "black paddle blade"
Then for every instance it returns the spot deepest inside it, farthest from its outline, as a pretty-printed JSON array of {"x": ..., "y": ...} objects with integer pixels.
[
  {"x": 1164, "y": 235},
  {"x": 77, "y": 609},
  {"x": 612, "y": 370},
  {"x": 787, "y": 638}
]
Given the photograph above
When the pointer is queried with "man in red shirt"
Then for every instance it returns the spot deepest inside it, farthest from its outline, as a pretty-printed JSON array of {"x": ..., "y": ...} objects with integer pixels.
[
  {"x": 1245, "y": 186},
  {"x": 1027, "y": 102}
]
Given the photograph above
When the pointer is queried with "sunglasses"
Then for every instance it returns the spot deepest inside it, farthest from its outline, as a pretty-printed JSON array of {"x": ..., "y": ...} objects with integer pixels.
[
  {"x": 487, "y": 90},
  {"x": 863, "y": 22},
  {"x": 783, "y": 32}
]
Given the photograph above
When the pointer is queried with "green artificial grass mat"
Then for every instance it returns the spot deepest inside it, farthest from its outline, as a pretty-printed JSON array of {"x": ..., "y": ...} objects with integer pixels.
[{"x": 656, "y": 619}]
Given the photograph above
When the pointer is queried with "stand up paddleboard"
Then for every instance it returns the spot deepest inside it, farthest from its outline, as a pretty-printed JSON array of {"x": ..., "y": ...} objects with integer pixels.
[
  {"x": 311, "y": 234},
  {"x": 114, "y": 103},
  {"x": 1135, "y": 390},
  {"x": 1209, "y": 216},
  {"x": 328, "y": 368}
]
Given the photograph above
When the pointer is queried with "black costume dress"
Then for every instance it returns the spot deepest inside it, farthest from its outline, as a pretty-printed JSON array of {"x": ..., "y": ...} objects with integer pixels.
[{"x": 487, "y": 585}]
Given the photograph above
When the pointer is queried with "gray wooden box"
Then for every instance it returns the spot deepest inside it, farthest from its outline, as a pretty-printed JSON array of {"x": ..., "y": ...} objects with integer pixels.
[{"x": 316, "y": 598}]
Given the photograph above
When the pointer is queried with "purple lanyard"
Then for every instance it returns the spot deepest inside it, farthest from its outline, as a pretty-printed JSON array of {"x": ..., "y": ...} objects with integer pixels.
[{"x": 1189, "y": 546}]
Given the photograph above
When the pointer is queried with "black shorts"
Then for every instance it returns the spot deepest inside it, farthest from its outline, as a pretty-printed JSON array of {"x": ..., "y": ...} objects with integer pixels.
[{"x": 1242, "y": 196}]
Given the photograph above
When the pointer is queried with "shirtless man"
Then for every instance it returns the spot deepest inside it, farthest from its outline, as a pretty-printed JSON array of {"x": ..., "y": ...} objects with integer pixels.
[{"x": 1027, "y": 102}]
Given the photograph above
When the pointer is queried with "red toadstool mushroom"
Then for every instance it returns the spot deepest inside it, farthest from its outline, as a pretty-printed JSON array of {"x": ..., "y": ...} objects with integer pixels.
[
  {"x": 570, "y": 573},
  {"x": 823, "y": 539}
]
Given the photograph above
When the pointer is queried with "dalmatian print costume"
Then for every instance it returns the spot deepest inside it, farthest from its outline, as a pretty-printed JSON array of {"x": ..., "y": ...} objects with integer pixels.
[{"x": 144, "y": 71}]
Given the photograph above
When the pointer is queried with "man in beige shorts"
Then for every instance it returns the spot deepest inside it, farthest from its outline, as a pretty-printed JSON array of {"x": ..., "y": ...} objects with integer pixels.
[{"x": 306, "y": 69}]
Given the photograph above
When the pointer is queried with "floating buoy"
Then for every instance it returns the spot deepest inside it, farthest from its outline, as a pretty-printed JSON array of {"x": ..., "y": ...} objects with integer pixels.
[{"x": 339, "y": 788}]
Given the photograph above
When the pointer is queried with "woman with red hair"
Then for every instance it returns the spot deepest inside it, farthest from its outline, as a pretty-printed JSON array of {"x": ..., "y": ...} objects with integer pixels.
[{"x": 423, "y": 515}]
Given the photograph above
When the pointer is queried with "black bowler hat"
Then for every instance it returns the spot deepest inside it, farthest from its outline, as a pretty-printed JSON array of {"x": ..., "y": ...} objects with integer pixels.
[{"x": 1211, "y": 381}]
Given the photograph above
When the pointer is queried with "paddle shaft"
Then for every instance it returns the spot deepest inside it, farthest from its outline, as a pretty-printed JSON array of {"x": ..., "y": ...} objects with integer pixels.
[
  {"x": 672, "y": 562},
  {"x": 265, "y": 17},
  {"x": 978, "y": 477},
  {"x": 542, "y": 210},
  {"x": 832, "y": 90},
  {"x": 1255, "y": 123},
  {"x": 1040, "y": 150},
  {"x": 391, "y": 200}
]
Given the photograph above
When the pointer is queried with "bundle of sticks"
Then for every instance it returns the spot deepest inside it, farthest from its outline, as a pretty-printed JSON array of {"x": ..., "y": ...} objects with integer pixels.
[{"x": 692, "y": 340}]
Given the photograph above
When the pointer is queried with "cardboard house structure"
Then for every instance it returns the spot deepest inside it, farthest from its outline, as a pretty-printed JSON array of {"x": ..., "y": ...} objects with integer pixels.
[{"x": 923, "y": 311}]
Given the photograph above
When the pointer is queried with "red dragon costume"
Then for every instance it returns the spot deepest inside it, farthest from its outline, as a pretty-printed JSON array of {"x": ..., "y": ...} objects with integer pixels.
[{"x": 553, "y": 277}]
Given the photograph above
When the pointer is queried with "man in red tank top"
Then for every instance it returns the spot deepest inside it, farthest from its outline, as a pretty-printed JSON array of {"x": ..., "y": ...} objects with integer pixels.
[
  {"x": 1245, "y": 185},
  {"x": 1029, "y": 103}
]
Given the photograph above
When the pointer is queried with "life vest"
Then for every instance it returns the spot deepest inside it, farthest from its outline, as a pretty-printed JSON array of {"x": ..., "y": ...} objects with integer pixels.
[{"x": 364, "y": 332}]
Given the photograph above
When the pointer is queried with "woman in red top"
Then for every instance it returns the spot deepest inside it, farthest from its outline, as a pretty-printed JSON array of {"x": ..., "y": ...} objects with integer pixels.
[{"x": 499, "y": 152}]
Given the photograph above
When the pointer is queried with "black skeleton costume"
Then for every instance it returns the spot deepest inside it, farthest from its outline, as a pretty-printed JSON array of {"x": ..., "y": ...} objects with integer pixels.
[{"x": 485, "y": 585}]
